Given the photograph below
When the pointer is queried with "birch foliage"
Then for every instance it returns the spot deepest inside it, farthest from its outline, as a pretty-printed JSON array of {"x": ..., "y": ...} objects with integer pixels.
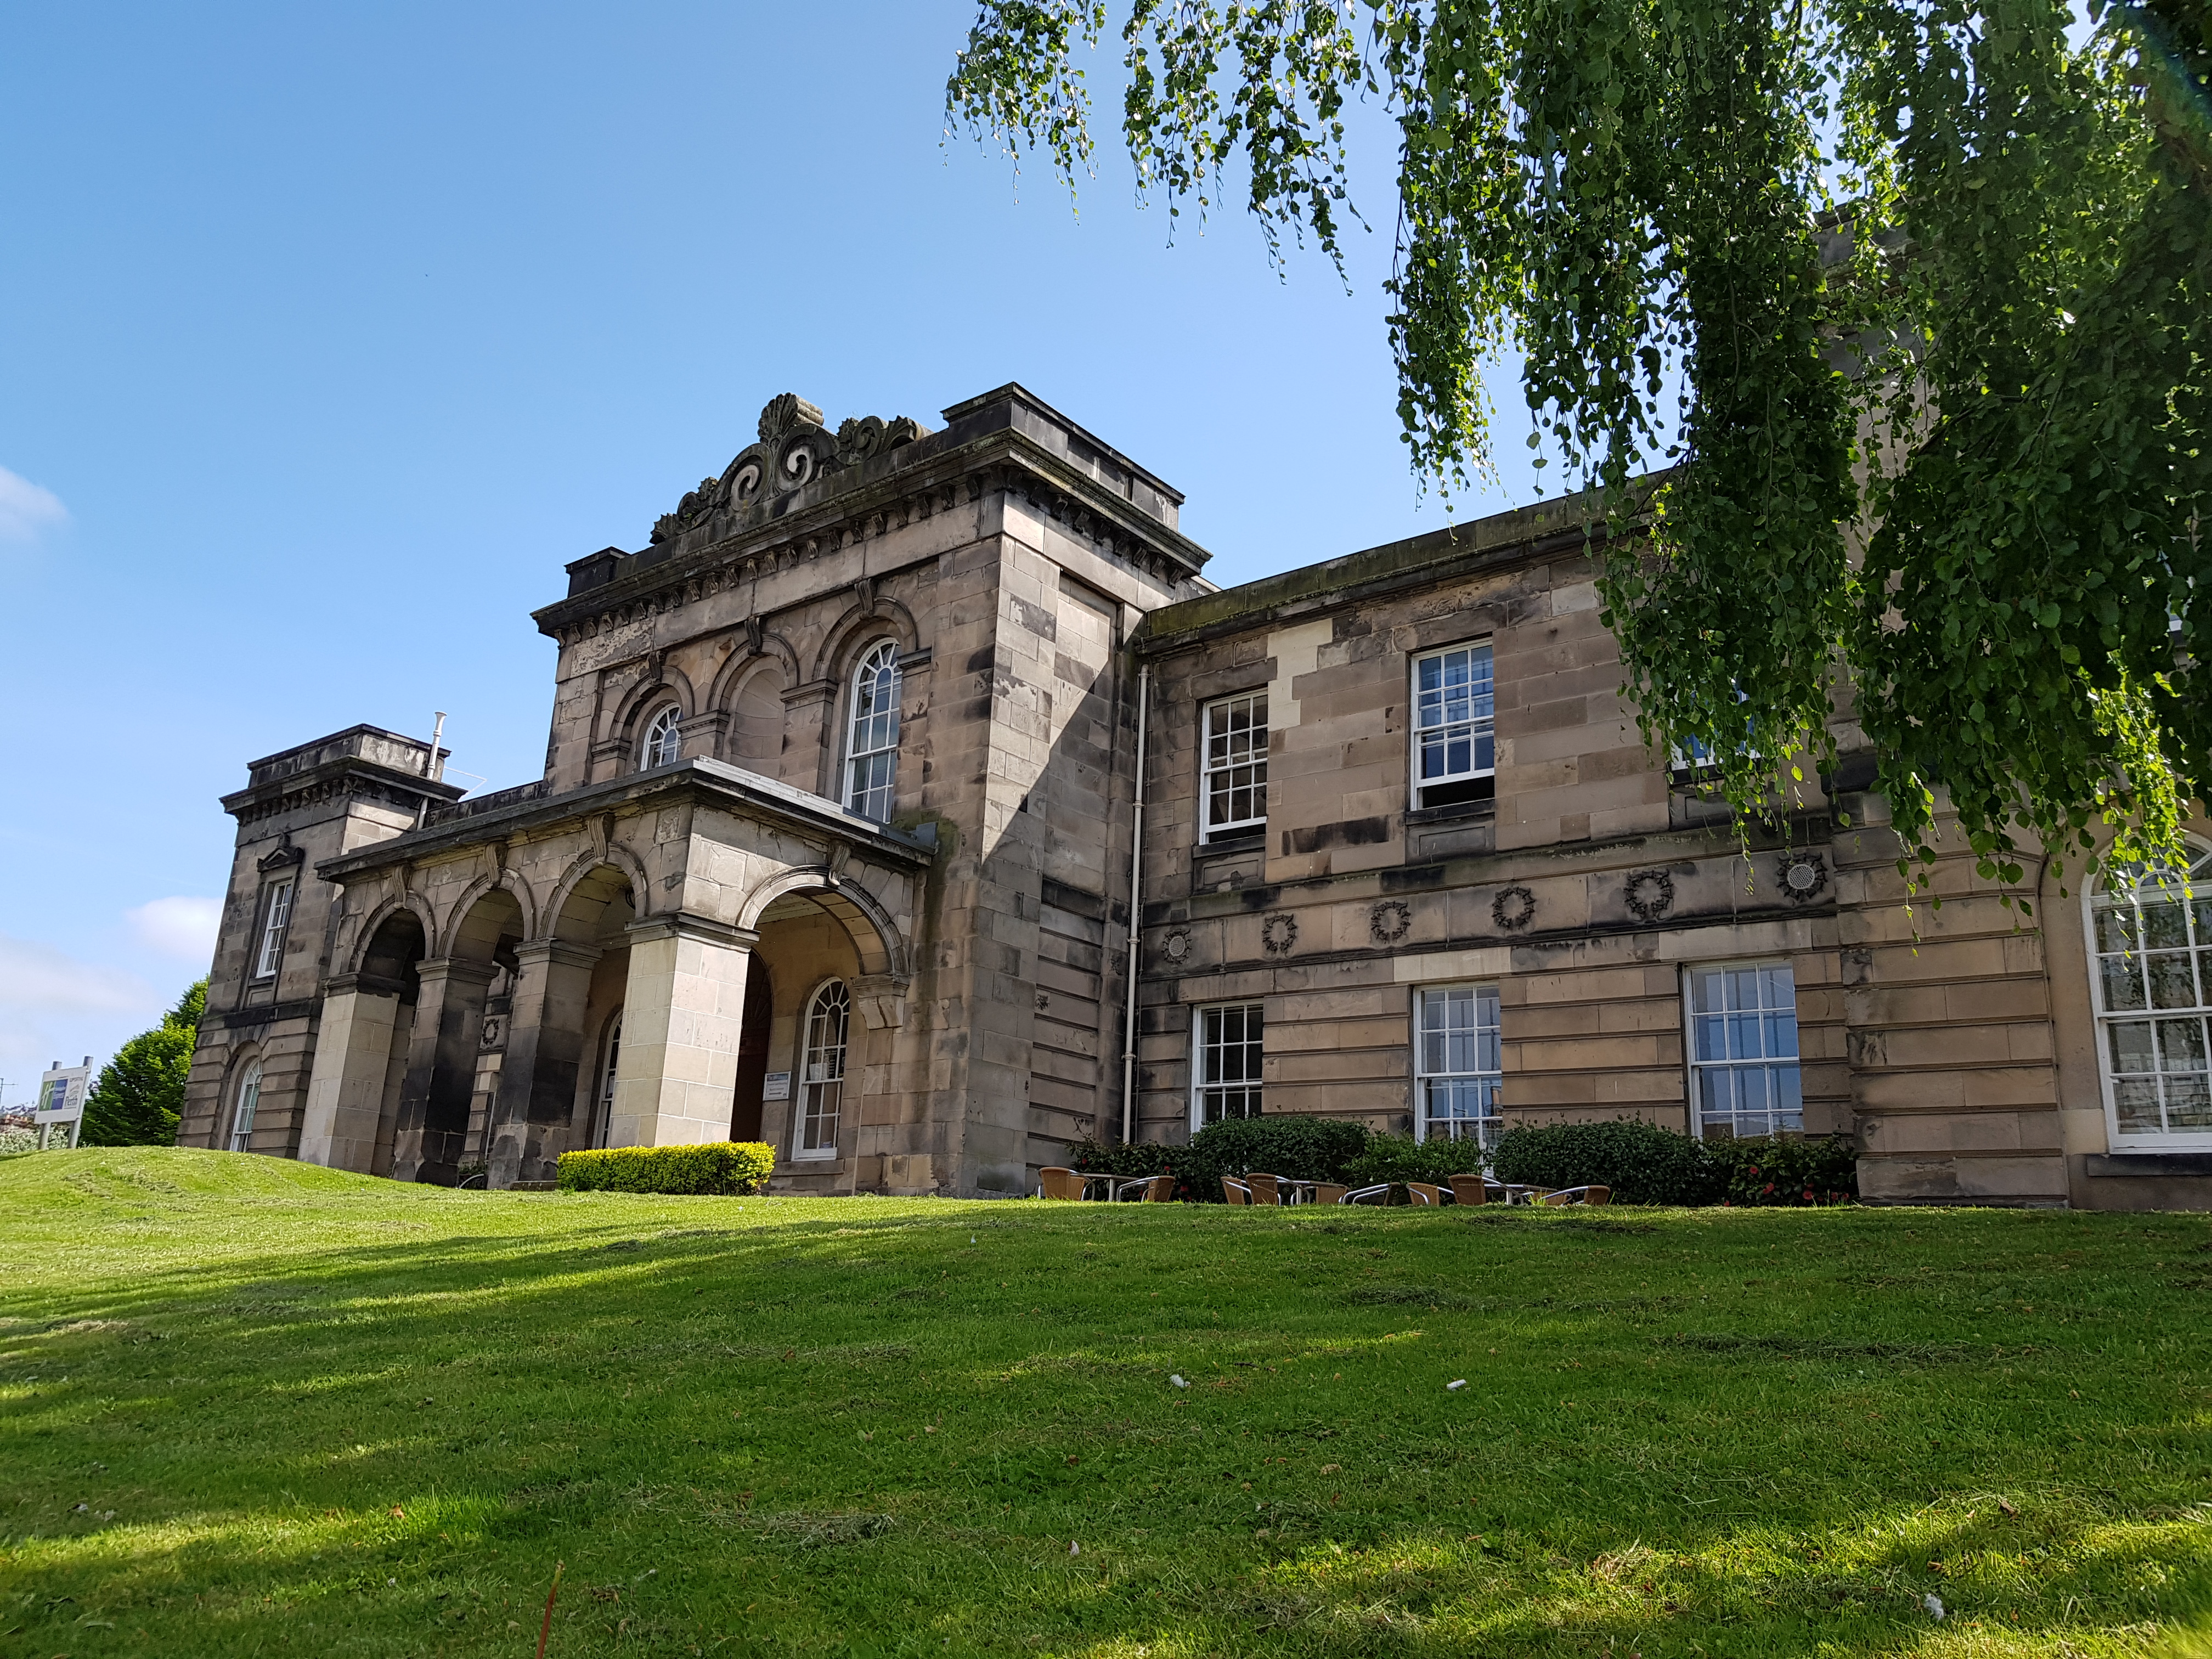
[{"x": 1890, "y": 319}]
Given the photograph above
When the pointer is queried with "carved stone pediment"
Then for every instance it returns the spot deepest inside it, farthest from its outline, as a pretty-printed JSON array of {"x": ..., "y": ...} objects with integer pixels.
[{"x": 795, "y": 448}]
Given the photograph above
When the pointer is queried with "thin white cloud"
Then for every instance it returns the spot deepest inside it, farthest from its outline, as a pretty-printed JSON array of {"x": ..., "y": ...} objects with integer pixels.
[
  {"x": 52, "y": 1006},
  {"x": 28, "y": 511},
  {"x": 37, "y": 978},
  {"x": 181, "y": 927}
]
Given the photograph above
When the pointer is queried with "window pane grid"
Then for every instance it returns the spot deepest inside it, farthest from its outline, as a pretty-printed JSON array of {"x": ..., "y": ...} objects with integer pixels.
[
  {"x": 1460, "y": 1063},
  {"x": 872, "y": 764},
  {"x": 1455, "y": 714},
  {"x": 664, "y": 739},
  {"x": 2152, "y": 938},
  {"x": 1235, "y": 764},
  {"x": 823, "y": 1077},
  {"x": 249, "y": 1099},
  {"x": 1744, "y": 1077},
  {"x": 1230, "y": 1052},
  {"x": 272, "y": 931}
]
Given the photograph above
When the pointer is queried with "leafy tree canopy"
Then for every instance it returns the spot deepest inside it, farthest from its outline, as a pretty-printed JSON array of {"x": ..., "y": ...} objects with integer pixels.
[
  {"x": 139, "y": 1096},
  {"x": 1933, "y": 279}
]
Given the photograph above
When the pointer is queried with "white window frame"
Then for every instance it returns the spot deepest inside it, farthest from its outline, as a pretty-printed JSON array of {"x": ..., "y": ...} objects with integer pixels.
[
  {"x": 1205, "y": 1051},
  {"x": 1429, "y": 709},
  {"x": 276, "y": 919},
  {"x": 2193, "y": 894},
  {"x": 1793, "y": 1063},
  {"x": 603, "y": 1097},
  {"x": 245, "y": 1101},
  {"x": 822, "y": 1070},
  {"x": 871, "y": 732},
  {"x": 1237, "y": 758},
  {"x": 663, "y": 739},
  {"x": 1437, "y": 1054}
]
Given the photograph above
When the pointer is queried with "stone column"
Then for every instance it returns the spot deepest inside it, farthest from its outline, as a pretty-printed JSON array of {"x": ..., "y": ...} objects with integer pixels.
[
  {"x": 441, "y": 1069},
  {"x": 345, "y": 1091},
  {"x": 683, "y": 1012},
  {"x": 544, "y": 1059}
]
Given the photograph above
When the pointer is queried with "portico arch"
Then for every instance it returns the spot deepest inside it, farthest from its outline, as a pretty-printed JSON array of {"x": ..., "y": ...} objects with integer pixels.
[
  {"x": 875, "y": 935},
  {"x": 579, "y": 910}
]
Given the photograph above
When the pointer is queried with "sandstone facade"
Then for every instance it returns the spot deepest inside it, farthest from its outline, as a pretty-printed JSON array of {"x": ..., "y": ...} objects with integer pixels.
[{"x": 1404, "y": 858}]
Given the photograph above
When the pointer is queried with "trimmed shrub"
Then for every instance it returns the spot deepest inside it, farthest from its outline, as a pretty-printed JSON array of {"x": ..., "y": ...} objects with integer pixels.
[
  {"x": 1642, "y": 1162},
  {"x": 1401, "y": 1157},
  {"x": 1307, "y": 1148},
  {"x": 1799, "y": 1173},
  {"x": 718, "y": 1168}
]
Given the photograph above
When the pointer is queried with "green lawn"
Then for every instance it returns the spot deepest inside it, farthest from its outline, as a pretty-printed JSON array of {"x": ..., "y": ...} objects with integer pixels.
[{"x": 249, "y": 1407}]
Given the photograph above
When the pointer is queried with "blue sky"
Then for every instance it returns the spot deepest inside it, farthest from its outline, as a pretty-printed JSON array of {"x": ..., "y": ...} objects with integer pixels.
[{"x": 331, "y": 333}]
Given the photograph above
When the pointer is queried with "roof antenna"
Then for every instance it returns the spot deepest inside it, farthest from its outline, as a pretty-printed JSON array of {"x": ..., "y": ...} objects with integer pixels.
[{"x": 432, "y": 768}]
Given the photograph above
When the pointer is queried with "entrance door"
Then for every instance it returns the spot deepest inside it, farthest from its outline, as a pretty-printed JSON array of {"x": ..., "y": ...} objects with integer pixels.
[{"x": 752, "y": 1052}]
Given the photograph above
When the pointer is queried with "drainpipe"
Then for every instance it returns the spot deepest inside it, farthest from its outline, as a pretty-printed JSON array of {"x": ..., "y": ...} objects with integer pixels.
[{"x": 1136, "y": 896}]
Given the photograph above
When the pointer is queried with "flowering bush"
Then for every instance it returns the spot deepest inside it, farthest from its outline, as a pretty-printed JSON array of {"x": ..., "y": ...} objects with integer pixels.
[{"x": 1770, "y": 1170}]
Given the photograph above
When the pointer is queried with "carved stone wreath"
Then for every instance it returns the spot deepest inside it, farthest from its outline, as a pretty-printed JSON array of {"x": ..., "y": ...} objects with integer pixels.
[
  {"x": 1514, "y": 909},
  {"x": 495, "y": 1031},
  {"x": 1279, "y": 933},
  {"x": 1390, "y": 920},
  {"x": 1175, "y": 947},
  {"x": 1650, "y": 893},
  {"x": 1801, "y": 876}
]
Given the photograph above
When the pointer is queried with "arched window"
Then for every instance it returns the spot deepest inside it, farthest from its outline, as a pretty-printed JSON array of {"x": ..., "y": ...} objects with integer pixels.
[
  {"x": 871, "y": 753},
  {"x": 603, "y": 1106},
  {"x": 664, "y": 739},
  {"x": 2152, "y": 942},
  {"x": 829, "y": 1016},
  {"x": 242, "y": 1104}
]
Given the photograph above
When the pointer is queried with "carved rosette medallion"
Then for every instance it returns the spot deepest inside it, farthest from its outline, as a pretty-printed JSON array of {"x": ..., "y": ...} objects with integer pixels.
[
  {"x": 1802, "y": 876},
  {"x": 1175, "y": 949},
  {"x": 1514, "y": 909},
  {"x": 1279, "y": 933},
  {"x": 1390, "y": 920},
  {"x": 1649, "y": 894}
]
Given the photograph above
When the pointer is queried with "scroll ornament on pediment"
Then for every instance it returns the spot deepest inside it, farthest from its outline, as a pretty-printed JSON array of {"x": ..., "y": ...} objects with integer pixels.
[{"x": 795, "y": 448}]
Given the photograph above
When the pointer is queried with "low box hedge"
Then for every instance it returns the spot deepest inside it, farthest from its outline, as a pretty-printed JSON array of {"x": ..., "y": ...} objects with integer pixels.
[{"x": 717, "y": 1167}]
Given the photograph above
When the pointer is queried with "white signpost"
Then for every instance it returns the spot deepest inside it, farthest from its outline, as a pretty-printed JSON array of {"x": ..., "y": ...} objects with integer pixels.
[{"x": 61, "y": 1100}]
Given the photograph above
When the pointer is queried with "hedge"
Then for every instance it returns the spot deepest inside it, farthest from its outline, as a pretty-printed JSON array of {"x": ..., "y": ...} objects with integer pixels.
[
  {"x": 1401, "y": 1157},
  {"x": 721, "y": 1167},
  {"x": 1644, "y": 1164},
  {"x": 1310, "y": 1148}
]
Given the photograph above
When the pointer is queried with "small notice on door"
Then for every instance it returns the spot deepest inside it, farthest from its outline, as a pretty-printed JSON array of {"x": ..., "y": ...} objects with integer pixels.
[{"x": 776, "y": 1085}]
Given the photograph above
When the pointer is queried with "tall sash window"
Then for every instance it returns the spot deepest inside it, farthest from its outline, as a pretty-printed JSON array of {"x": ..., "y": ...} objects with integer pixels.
[
  {"x": 871, "y": 749},
  {"x": 242, "y": 1109},
  {"x": 828, "y": 1019}
]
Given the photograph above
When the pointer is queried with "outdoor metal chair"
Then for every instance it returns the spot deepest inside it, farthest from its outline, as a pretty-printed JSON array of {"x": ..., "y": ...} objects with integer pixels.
[
  {"x": 1378, "y": 1193},
  {"x": 1056, "y": 1182},
  {"x": 1470, "y": 1188},
  {"x": 1266, "y": 1188},
  {"x": 1158, "y": 1189},
  {"x": 1578, "y": 1195},
  {"x": 1329, "y": 1192},
  {"x": 1420, "y": 1192},
  {"x": 1235, "y": 1192}
]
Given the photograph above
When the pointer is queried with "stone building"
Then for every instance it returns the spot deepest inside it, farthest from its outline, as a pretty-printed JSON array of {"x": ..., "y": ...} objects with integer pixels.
[{"x": 834, "y": 848}]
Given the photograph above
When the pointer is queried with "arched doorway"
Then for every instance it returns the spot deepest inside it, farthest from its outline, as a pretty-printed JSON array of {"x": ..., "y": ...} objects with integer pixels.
[
  {"x": 752, "y": 1051},
  {"x": 388, "y": 968}
]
